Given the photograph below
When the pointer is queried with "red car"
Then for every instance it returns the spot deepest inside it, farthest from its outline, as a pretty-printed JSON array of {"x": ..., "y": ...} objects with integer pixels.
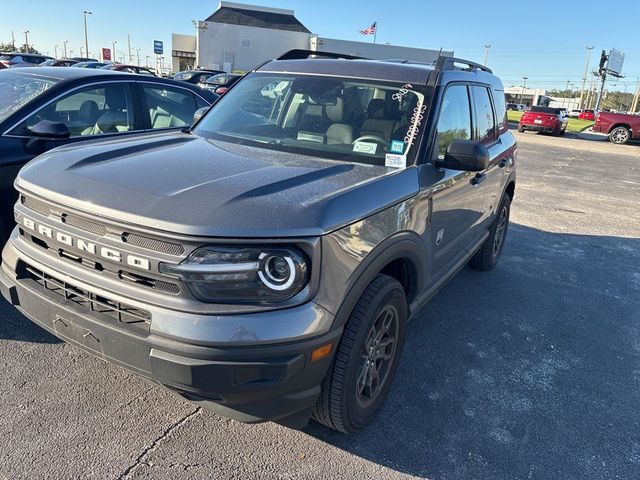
[
  {"x": 544, "y": 119},
  {"x": 587, "y": 115},
  {"x": 619, "y": 126}
]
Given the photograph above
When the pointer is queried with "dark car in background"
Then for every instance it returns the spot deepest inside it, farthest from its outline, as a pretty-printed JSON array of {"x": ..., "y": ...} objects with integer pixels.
[
  {"x": 221, "y": 82},
  {"x": 61, "y": 62},
  {"x": 90, "y": 64},
  {"x": 45, "y": 107},
  {"x": 544, "y": 119},
  {"x": 195, "y": 76},
  {"x": 16, "y": 59},
  {"x": 120, "y": 67},
  {"x": 84, "y": 59}
]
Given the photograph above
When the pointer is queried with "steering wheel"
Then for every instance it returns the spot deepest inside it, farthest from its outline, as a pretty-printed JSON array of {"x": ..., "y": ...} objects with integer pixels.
[{"x": 375, "y": 138}]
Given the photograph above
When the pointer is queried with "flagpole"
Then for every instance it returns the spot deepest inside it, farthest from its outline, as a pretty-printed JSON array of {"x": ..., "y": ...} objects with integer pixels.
[{"x": 375, "y": 32}]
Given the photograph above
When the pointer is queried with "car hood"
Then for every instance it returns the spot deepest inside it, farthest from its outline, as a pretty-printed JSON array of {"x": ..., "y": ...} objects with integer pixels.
[{"x": 186, "y": 184}]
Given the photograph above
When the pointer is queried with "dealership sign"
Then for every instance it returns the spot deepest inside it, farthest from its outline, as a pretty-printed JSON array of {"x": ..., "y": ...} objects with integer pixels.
[
  {"x": 106, "y": 54},
  {"x": 157, "y": 47}
]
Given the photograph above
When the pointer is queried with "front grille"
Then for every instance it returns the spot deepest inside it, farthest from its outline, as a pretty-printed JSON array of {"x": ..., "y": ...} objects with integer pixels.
[
  {"x": 119, "y": 311},
  {"x": 84, "y": 224},
  {"x": 34, "y": 204},
  {"x": 152, "y": 244}
]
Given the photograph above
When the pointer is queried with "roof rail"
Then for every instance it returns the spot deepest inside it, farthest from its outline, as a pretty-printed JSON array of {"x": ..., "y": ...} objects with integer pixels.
[
  {"x": 448, "y": 63},
  {"x": 300, "y": 54}
]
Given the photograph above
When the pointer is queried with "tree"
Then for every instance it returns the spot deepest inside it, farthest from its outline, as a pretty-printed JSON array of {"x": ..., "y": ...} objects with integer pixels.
[{"x": 8, "y": 47}]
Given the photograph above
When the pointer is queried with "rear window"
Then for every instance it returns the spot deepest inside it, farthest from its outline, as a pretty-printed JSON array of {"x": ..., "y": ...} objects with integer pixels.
[{"x": 550, "y": 110}]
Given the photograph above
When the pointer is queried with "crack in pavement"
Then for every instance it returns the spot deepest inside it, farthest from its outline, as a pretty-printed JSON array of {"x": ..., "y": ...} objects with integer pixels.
[{"x": 139, "y": 460}]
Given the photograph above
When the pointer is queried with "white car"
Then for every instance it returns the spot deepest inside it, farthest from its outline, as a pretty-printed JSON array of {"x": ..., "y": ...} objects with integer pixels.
[{"x": 575, "y": 113}]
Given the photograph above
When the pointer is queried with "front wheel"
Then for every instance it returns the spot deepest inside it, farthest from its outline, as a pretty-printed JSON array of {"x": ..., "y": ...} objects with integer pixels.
[
  {"x": 489, "y": 254},
  {"x": 620, "y": 135},
  {"x": 366, "y": 359}
]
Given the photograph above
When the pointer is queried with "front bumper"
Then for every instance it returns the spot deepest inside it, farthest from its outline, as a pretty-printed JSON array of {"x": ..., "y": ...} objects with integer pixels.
[{"x": 249, "y": 383}]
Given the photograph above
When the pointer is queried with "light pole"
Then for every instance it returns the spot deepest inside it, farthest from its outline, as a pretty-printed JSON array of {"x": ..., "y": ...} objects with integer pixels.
[
  {"x": 86, "y": 38},
  {"x": 486, "y": 53},
  {"x": 147, "y": 60},
  {"x": 26, "y": 41},
  {"x": 138, "y": 55},
  {"x": 65, "y": 48},
  {"x": 584, "y": 78},
  {"x": 524, "y": 86},
  {"x": 55, "y": 51},
  {"x": 113, "y": 51}
]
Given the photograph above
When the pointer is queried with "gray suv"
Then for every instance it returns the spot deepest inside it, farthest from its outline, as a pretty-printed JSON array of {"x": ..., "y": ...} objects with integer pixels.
[{"x": 265, "y": 262}]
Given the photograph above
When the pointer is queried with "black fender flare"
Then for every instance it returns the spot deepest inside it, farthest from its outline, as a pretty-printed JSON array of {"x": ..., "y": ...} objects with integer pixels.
[{"x": 403, "y": 245}]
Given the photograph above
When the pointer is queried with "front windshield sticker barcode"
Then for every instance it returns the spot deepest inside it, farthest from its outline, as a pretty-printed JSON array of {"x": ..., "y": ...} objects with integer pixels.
[
  {"x": 395, "y": 161},
  {"x": 365, "y": 147}
]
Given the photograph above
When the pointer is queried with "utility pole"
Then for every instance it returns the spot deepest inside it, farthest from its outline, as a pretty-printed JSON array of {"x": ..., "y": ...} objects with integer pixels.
[
  {"x": 55, "y": 51},
  {"x": 147, "y": 60},
  {"x": 81, "y": 51},
  {"x": 129, "y": 47},
  {"x": 113, "y": 53},
  {"x": 636, "y": 98},
  {"x": 86, "y": 38},
  {"x": 486, "y": 53},
  {"x": 13, "y": 41},
  {"x": 65, "y": 48},
  {"x": 26, "y": 41},
  {"x": 584, "y": 78},
  {"x": 138, "y": 55}
]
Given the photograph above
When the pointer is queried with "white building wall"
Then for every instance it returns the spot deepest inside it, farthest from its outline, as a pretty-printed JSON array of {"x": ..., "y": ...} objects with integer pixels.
[{"x": 241, "y": 48}]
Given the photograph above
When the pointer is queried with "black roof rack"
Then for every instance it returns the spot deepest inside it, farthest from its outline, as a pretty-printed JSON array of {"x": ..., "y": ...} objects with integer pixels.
[
  {"x": 449, "y": 63},
  {"x": 300, "y": 54}
]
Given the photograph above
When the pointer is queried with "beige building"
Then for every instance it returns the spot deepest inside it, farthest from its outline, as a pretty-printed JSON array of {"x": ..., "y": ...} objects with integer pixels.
[{"x": 239, "y": 37}]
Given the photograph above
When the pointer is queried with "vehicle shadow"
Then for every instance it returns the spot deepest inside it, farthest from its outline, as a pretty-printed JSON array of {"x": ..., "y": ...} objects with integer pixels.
[
  {"x": 15, "y": 326},
  {"x": 529, "y": 371}
]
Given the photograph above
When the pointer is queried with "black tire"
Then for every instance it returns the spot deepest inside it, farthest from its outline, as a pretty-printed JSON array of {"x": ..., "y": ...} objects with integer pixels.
[
  {"x": 521, "y": 129},
  {"x": 620, "y": 135},
  {"x": 487, "y": 257},
  {"x": 562, "y": 132},
  {"x": 342, "y": 405}
]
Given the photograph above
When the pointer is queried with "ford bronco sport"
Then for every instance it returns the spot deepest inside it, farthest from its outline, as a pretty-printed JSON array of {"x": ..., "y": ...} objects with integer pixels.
[{"x": 265, "y": 262}]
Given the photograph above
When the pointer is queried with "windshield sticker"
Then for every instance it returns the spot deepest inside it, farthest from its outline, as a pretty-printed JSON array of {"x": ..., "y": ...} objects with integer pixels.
[
  {"x": 365, "y": 147},
  {"x": 416, "y": 121},
  {"x": 397, "y": 146},
  {"x": 402, "y": 92},
  {"x": 395, "y": 161}
]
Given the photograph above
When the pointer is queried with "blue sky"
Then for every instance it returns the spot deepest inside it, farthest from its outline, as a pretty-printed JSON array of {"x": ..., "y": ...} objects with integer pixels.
[{"x": 543, "y": 40}]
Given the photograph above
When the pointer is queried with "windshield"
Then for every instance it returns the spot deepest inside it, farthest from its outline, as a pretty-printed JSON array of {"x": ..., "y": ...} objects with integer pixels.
[
  {"x": 19, "y": 89},
  {"x": 346, "y": 119}
]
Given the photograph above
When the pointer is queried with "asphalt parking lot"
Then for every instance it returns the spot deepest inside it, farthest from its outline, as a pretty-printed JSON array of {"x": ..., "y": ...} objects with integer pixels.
[{"x": 530, "y": 371}]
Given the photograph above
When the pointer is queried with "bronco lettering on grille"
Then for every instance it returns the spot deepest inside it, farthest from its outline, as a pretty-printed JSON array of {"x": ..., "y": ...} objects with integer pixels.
[{"x": 86, "y": 246}]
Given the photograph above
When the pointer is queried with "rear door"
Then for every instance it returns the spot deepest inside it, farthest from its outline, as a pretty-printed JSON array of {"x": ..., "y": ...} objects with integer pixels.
[{"x": 489, "y": 125}]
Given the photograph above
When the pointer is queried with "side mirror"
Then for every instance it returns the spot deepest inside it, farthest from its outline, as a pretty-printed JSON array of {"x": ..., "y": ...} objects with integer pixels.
[
  {"x": 197, "y": 115},
  {"x": 50, "y": 130},
  {"x": 466, "y": 155}
]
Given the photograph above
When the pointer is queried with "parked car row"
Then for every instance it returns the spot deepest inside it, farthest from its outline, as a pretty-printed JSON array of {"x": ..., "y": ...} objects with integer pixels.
[{"x": 47, "y": 107}]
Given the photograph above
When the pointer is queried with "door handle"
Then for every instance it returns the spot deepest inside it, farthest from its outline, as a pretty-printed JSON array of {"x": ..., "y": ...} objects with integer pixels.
[
  {"x": 505, "y": 162},
  {"x": 478, "y": 179}
]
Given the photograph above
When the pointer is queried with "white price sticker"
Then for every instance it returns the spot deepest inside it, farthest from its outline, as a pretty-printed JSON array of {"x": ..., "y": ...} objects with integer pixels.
[
  {"x": 365, "y": 147},
  {"x": 395, "y": 161}
]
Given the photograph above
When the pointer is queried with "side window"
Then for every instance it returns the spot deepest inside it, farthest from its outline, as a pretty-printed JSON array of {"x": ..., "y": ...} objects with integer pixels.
[
  {"x": 169, "y": 107},
  {"x": 91, "y": 111},
  {"x": 485, "y": 122},
  {"x": 501, "y": 111},
  {"x": 454, "y": 121}
]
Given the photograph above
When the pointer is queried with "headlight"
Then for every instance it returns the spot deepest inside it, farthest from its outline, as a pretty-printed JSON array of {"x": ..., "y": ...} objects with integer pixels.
[{"x": 242, "y": 275}]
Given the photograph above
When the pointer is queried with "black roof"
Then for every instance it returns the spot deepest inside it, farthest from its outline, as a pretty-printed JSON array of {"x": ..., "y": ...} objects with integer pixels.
[
  {"x": 257, "y": 18},
  {"x": 58, "y": 73},
  {"x": 384, "y": 70}
]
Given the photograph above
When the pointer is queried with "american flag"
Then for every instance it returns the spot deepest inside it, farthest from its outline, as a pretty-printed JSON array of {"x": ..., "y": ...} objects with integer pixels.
[{"x": 369, "y": 31}]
